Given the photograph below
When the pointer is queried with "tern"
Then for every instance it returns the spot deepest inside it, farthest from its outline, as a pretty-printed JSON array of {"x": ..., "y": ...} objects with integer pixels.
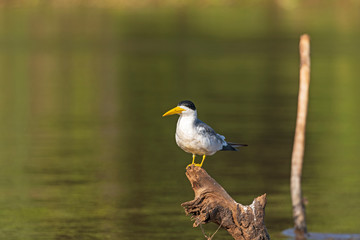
[{"x": 196, "y": 137}]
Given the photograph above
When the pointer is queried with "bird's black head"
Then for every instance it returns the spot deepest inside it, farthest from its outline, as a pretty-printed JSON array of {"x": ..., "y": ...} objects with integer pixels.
[{"x": 188, "y": 104}]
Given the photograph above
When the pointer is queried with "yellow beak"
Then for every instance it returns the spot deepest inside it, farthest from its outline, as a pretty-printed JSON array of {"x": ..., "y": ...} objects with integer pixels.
[{"x": 175, "y": 110}]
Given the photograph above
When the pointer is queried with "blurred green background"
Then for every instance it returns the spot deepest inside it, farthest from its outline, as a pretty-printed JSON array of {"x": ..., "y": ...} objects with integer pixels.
[{"x": 85, "y": 153}]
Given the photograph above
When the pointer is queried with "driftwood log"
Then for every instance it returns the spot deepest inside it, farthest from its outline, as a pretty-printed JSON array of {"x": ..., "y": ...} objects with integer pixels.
[{"x": 213, "y": 204}]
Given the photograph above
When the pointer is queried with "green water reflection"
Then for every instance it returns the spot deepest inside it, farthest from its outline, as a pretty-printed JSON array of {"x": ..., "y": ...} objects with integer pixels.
[{"x": 85, "y": 154}]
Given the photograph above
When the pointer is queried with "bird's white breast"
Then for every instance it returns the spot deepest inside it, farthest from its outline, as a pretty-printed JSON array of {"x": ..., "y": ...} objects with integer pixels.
[{"x": 190, "y": 140}]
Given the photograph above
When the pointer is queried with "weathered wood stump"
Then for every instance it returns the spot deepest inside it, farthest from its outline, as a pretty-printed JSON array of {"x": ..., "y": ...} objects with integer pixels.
[{"x": 213, "y": 204}]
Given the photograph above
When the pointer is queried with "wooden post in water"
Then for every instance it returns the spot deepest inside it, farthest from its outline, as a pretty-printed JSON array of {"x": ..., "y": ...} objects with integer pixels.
[{"x": 299, "y": 139}]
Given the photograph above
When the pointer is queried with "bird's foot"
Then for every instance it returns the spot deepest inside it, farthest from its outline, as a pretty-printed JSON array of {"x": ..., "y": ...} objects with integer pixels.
[{"x": 194, "y": 164}]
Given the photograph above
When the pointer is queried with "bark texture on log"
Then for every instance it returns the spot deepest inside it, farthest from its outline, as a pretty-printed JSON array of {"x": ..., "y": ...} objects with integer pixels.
[{"x": 213, "y": 204}]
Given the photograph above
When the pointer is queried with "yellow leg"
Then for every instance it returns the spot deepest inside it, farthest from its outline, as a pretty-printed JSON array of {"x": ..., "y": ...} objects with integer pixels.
[
  {"x": 193, "y": 161},
  {"x": 199, "y": 165}
]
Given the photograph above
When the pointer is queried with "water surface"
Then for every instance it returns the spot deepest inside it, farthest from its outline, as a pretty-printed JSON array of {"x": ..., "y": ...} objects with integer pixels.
[{"x": 85, "y": 153}]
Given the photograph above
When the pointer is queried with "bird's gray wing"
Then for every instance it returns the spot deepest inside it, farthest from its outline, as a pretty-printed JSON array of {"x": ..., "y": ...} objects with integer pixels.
[{"x": 207, "y": 131}]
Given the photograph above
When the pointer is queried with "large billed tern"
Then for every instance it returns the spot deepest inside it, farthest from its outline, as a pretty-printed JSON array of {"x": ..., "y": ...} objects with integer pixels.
[{"x": 196, "y": 137}]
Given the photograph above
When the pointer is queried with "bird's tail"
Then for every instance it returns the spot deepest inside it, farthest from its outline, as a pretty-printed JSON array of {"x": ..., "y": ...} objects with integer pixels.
[{"x": 232, "y": 146}]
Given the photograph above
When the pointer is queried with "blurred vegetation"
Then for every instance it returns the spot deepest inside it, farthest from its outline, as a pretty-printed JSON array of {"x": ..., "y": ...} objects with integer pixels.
[{"x": 127, "y": 4}]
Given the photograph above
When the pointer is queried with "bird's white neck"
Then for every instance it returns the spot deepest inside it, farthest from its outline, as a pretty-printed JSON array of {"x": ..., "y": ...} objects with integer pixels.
[{"x": 186, "y": 121}]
